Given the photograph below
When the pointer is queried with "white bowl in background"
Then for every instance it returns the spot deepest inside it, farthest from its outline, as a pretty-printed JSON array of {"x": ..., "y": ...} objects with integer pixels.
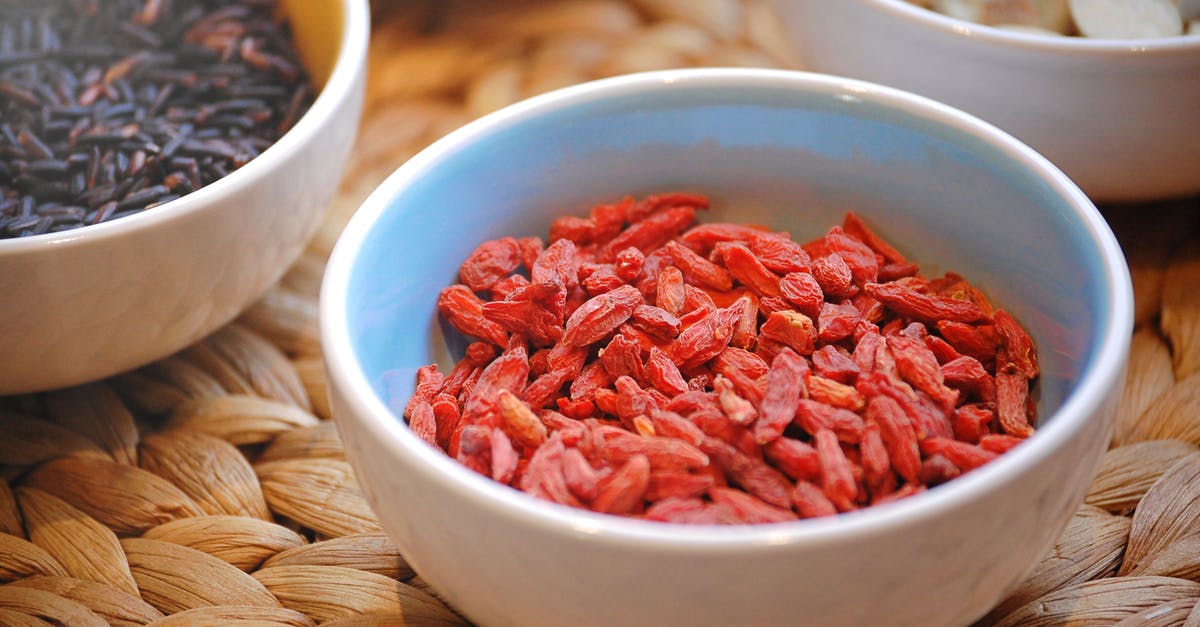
[{"x": 1120, "y": 117}]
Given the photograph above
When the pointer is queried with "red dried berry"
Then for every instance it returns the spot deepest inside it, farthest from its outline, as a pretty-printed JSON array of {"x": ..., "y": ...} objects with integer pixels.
[{"x": 490, "y": 262}]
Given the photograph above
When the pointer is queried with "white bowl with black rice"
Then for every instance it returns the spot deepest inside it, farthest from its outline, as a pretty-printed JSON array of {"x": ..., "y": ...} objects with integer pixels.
[{"x": 161, "y": 165}]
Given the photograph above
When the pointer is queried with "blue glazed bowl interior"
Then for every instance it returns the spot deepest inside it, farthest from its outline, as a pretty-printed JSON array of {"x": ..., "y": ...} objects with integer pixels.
[{"x": 768, "y": 152}]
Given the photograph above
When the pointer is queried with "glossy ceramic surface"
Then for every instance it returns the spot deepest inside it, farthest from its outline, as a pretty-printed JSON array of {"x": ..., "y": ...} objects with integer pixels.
[
  {"x": 793, "y": 151},
  {"x": 92, "y": 302},
  {"x": 1120, "y": 117}
]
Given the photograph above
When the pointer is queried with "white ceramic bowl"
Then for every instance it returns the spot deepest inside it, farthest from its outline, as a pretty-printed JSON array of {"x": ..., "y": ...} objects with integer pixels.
[
  {"x": 793, "y": 151},
  {"x": 1120, "y": 117},
  {"x": 84, "y": 304}
]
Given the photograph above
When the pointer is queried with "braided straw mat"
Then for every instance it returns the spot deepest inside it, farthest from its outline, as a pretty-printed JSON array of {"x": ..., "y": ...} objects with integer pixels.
[{"x": 211, "y": 487}]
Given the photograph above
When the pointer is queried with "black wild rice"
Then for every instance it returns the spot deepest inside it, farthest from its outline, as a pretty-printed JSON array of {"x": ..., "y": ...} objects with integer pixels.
[{"x": 110, "y": 107}]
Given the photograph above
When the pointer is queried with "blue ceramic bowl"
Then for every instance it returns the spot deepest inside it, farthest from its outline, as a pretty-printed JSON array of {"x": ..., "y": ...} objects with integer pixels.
[{"x": 794, "y": 151}]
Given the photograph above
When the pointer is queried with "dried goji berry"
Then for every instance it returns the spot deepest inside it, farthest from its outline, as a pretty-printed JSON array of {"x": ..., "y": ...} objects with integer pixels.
[
  {"x": 520, "y": 423},
  {"x": 971, "y": 422},
  {"x": 490, "y": 262},
  {"x": 736, "y": 361},
  {"x": 745, "y": 332},
  {"x": 978, "y": 341},
  {"x": 837, "y": 478},
  {"x": 530, "y": 249},
  {"x": 656, "y": 321},
  {"x": 877, "y": 468},
  {"x": 598, "y": 278},
  {"x": 429, "y": 382},
  {"x": 504, "y": 288},
  {"x": 671, "y": 425},
  {"x": 967, "y": 374},
  {"x": 733, "y": 404},
  {"x": 577, "y": 230},
  {"x": 1012, "y": 395},
  {"x": 928, "y": 419},
  {"x": 810, "y": 501},
  {"x": 632, "y": 400},
  {"x": 690, "y": 511},
  {"x": 862, "y": 261},
  {"x": 750, "y": 473},
  {"x": 577, "y": 408},
  {"x": 937, "y": 469},
  {"x": 837, "y": 321},
  {"x": 676, "y": 484},
  {"x": 654, "y": 203},
  {"x": 670, "y": 293},
  {"x": 748, "y": 509},
  {"x": 919, "y": 367},
  {"x": 854, "y": 225},
  {"x": 707, "y": 337},
  {"x": 696, "y": 304},
  {"x": 802, "y": 290},
  {"x": 663, "y": 453},
  {"x": 813, "y": 416},
  {"x": 422, "y": 422},
  {"x": 545, "y": 388},
  {"x": 941, "y": 349},
  {"x": 834, "y": 276},
  {"x": 622, "y": 357},
  {"x": 475, "y": 448},
  {"x": 592, "y": 377},
  {"x": 543, "y": 475},
  {"x": 898, "y": 436},
  {"x": 703, "y": 238},
  {"x": 927, "y": 308},
  {"x": 526, "y": 318},
  {"x": 778, "y": 253},
  {"x": 999, "y": 443},
  {"x": 662, "y": 374},
  {"x": 1016, "y": 343},
  {"x": 748, "y": 270},
  {"x": 650, "y": 232},
  {"x": 628, "y": 264},
  {"x": 785, "y": 388},
  {"x": 964, "y": 455},
  {"x": 464, "y": 311},
  {"x": 953, "y": 286},
  {"x": 446, "y": 415},
  {"x": 504, "y": 457},
  {"x": 601, "y": 315},
  {"x": 569, "y": 430},
  {"x": 701, "y": 271},
  {"x": 581, "y": 478},
  {"x": 509, "y": 372},
  {"x": 556, "y": 263},
  {"x": 609, "y": 218},
  {"x": 693, "y": 401},
  {"x": 792, "y": 329},
  {"x": 796, "y": 459}
]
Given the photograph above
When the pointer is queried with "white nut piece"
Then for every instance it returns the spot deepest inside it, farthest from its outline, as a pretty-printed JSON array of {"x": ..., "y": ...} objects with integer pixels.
[
  {"x": 1030, "y": 30},
  {"x": 968, "y": 10},
  {"x": 1189, "y": 10},
  {"x": 1055, "y": 15},
  {"x": 1010, "y": 12},
  {"x": 1127, "y": 19}
]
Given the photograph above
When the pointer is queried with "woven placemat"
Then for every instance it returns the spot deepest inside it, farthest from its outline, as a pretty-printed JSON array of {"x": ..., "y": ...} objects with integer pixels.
[{"x": 212, "y": 487}]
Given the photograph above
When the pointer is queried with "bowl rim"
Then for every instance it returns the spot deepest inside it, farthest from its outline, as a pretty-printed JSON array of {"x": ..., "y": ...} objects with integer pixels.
[
  {"x": 351, "y": 386},
  {"x": 351, "y": 59},
  {"x": 955, "y": 27}
]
